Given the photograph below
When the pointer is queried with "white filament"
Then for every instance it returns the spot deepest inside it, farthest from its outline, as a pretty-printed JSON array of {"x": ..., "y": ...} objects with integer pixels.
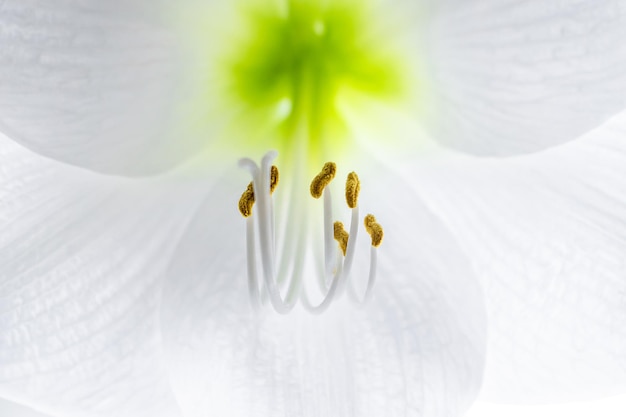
[
  {"x": 253, "y": 285},
  {"x": 354, "y": 229},
  {"x": 371, "y": 280},
  {"x": 329, "y": 243},
  {"x": 328, "y": 298}
]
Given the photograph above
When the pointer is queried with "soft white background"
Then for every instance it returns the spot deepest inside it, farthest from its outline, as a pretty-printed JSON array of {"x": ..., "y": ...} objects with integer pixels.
[{"x": 610, "y": 407}]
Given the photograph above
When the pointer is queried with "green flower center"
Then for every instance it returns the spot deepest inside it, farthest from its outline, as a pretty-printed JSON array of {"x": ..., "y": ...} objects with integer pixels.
[{"x": 293, "y": 66}]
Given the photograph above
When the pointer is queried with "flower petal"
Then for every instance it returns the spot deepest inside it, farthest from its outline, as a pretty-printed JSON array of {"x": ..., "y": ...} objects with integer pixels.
[
  {"x": 81, "y": 260},
  {"x": 547, "y": 234},
  {"x": 416, "y": 349},
  {"x": 515, "y": 77},
  {"x": 11, "y": 409},
  {"x": 95, "y": 84}
]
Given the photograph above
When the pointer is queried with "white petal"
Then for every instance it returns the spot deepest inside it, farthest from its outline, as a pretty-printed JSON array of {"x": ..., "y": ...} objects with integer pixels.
[
  {"x": 96, "y": 84},
  {"x": 11, "y": 409},
  {"x": 417, "y": 349},
  {"x": 518, "y": 76},
  {"x": 547, "y": 234},
  {"x": 81, "y": 261}
]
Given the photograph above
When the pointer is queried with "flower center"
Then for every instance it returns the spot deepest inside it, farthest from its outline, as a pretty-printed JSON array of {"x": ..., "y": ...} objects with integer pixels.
[
  {"x": 295, "y": 67},
  {"x": 335, "y": 276},
  {"x": 296, "y": 61}
]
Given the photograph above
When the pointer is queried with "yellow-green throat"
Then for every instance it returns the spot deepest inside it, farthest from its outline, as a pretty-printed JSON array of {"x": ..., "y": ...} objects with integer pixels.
[{"x": 294, "y": 62}]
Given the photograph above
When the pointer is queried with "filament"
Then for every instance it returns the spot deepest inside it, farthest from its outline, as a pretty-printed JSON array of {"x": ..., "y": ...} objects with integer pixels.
[
  {"x": 371, "y": 280},
  {"x": 253, "y": 285}
]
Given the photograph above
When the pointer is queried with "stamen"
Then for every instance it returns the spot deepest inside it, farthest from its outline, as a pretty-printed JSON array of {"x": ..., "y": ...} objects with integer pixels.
[
  {"x": 323, "y": 179},
  {"x": 265, "y": 223},
  {"x": 317, "y": 188},
  {"x": 353, "y": 187},
  {"x": 341, "y": 236},
  {"x": 336, "y": 275},
  {"x": 374, "y": 229},
  {"x": 247, "y": 201}
]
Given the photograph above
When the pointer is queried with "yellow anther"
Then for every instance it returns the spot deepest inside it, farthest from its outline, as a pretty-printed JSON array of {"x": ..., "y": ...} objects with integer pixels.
[
  {"x": 374, "y": 229},
  {"x": 273, "y": 178},
  {"x": 247, "y": 198},
  {"x": 247, "y": 201},
  {"x": 323, "y": 179},
  {"x": 353, "y": 187},
  {"x": 341, "y": 236}
]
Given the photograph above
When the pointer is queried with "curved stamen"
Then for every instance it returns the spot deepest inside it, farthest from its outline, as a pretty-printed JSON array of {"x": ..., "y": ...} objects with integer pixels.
[
  {"x": 262, "y": 184},
  {"x": 375, "y": 230},
  {"x": 333, "y": 282},
  {"x": 319, "y": 187},
  {"x": 245, "y": 207},
  {"x": 353, "y": 188},
  {"x": 262, "y": 181}
]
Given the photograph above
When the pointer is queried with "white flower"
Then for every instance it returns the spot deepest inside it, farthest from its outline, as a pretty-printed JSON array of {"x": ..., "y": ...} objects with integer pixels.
[{"x": 123, "y": 261}]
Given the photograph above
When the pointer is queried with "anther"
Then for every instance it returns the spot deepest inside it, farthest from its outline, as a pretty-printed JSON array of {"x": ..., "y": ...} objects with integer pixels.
[
  {"x": 273, "y": 178},
  {"x": 353, "y": 187},
  {"x": 247, "y": 198},
  {"x": 374, "y": 229},
  {"x": 323, "y": 179},
  {"x": 247, "y": 201},
  {"x": 341, "y": 236}
]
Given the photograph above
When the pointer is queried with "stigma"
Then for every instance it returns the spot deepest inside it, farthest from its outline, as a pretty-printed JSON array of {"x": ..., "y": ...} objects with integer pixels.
[{"x": 281, "y": 287}]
